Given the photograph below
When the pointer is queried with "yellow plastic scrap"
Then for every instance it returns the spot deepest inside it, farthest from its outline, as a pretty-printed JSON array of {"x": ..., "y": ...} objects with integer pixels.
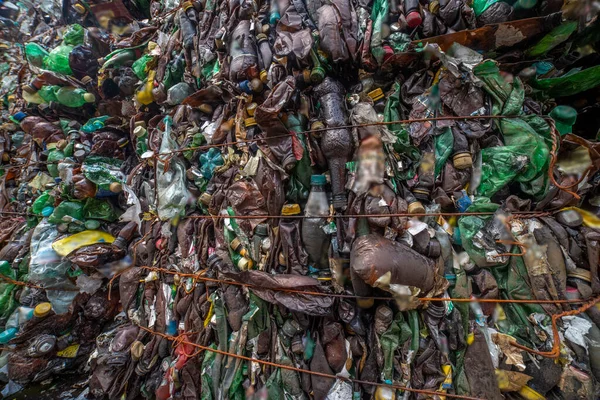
[{"x": 71, "y": 243}]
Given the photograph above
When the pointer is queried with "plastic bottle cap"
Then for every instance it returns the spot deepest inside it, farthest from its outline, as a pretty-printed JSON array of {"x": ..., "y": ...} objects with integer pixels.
[
  {"x": 205, "y": 198},
  {"x": 86, "y": 79},
  {"x": 281, "y": 259},
  {"x": 19, "y": 116},
  {"x": 434, "y": 7},
  {"x": 139, "y": 131},
  {"x": 376, "y": 94},
  {"x": 116, "y": 187},
  {"x": 245, "y": 264},
  {"x": 92, "y": 224},
  {"x": 462, "y": 161},
  {"x": 187, "y": 5},
  {"x": 205, "y": 108},
  {"x": 365, "y": 303},
  {"x": 79, "y": 8},
  {"x": 264, "y": 76},
  {"x": 42, "y": 309},
  {"x": 274, "y": 18},
  {"x": 245, "y": 87},
  {"x": 248, "y": 122},
  {"x": 317, "y": 75},
  {"x": 89, "y": 98},
  {"x": 414, "y": 19},
  {"x": 290, "y": 209},
  {"x": 318, "y": 180},
  {"x": 315, "y": 126},
  {"x": 416, "y": 208},
  {"x": 260, "y": 37},
  {"x": 564, "y": 118},
  {"x": 235, "y": 244},
  {"x": 256, "y": 85},
  {"x": 251, "y": 108},
  {"x": 580, "y": 273}
]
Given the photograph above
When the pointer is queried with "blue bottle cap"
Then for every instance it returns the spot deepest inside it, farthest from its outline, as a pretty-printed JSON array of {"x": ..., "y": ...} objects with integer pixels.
[
  {"x": 47, "y": 211},
  {"x": 318, "y": 180},
  {"x": 274, "y": 18},
  {"x": 245, "y": 86},
  {"x": 19, "y": 116}
]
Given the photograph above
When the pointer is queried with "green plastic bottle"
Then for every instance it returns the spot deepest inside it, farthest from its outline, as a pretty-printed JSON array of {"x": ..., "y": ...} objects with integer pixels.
[
  {"x": 74, "y": 97},
  {"x": 58, "y": 60},
  {"x": 48, "y": 93}
]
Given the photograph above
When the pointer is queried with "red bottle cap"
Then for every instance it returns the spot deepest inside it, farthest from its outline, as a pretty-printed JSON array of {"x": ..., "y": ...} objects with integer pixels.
[{"x": 413, "y": 19}]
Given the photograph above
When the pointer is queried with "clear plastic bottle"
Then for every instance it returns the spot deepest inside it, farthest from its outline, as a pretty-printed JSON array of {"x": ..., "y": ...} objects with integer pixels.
[
  {"x": 18, "y": 318},
  {"x": 315, "y": 239}
]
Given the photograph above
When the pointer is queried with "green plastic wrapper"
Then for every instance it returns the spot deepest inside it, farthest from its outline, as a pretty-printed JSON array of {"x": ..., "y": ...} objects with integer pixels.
[
  {"x": 479, "y": 6},
  {"x": 469, "y": 226},
  {"x": 44, "y": 200},
  {"x": 379, "y": 14},
  {"x": 391, "y": 340},
  {"x": 409, "y": 154},
  {"x": 102, "y": 170},
  {"x": 443, "y": 149},
  {"x": 99, "y": 209},
  {"x": 139, "y": 66},
  {"x": 557, "y": 36},
  {"x": 66, "y": 208},
  {"x": 35, "y": 54},
  {"x": 572, "y": 83},
  {"x": 525, "y": 156}
]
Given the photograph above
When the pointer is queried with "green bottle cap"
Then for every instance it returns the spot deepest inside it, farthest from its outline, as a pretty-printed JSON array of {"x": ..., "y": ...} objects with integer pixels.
[
  {"x": 317, "y": 75},
  {"x": 92, "y": 224},
  {"x": 564, "y": 118}
]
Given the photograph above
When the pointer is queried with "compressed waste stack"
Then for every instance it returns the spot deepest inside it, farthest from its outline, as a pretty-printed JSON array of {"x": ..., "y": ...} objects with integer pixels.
[{"x": 300, "y": 199}]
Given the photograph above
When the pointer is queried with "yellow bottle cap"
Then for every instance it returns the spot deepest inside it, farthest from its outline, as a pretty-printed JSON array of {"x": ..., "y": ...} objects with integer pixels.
[
  {"x": 205, "y": 108},
  {"x": 205, "y": 198},
  {"x": 89, "y": 98},
  {"x": 251, "y": 108},
  {"x": 249, "y": 122},
  {"x": 365, "y": 303},
  {"x": 264, "y": 76},
  {"x": 281, "y": 259},
  {"x": 235, "y": 244},
  {"x": 116, "y": 187},
  {"x": 290, "y": 209},
  {"x": 79, "y": 8},
  {"x": 244, "y": 264},
  {"x": 187, "y": 5},
  {"x": 416, "y": 208},
  {"x": 137, "y": 350},
  {"x": 376, "y": 94},
  {"x": 470, "y": 339},
  {"x": 462, "y": 161},
  {"x": 42, "y": 309}
]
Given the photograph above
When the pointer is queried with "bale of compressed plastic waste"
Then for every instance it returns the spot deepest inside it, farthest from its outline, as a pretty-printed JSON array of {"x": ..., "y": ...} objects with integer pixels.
[{"x": 300, "y": 199}]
